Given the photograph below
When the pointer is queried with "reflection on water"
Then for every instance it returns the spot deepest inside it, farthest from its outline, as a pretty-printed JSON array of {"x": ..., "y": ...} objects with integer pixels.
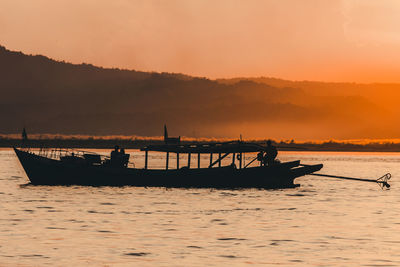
[{"x": 324, "y": 222}]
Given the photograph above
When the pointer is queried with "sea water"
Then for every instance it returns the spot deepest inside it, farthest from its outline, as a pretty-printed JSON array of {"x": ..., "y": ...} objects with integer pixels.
[{"x": 324, "y": 222}]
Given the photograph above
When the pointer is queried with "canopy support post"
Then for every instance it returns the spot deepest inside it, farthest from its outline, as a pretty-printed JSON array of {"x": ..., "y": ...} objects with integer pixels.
[
  {"x": 240, "y": 162},
  {"x": 167, "y": 162},
  {"x": 146, "y": 159},
  {"x": 211, "y": 156},
  {"x": 233, "y": 158},
  {"x": 198, "y": 160},
  {"x": 177, "y": 160},
  {"x": 219, "y": 160},
  {"x": 189, "y": 156}
]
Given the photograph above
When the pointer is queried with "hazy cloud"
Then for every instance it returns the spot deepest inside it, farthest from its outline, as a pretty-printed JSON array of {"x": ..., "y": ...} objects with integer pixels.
[{"x": 314, "y": 39}]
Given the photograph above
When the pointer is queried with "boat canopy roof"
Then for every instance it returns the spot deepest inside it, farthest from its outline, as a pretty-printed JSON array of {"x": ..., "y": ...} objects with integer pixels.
[{"x": 226, "y": 147}]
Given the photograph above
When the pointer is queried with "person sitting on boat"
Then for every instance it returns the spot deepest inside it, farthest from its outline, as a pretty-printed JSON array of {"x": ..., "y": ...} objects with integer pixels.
[
  {"x": 119, "y": 158},
  {"x": 270, "y": 154},
  {"x": 124, "y": 157},
  {"x": 115, "y": 153},
  {"x": 115, "y": 157}
]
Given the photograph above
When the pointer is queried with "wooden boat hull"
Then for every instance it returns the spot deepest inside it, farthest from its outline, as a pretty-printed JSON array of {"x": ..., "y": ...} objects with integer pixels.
[{"x": 45, "y": 171}]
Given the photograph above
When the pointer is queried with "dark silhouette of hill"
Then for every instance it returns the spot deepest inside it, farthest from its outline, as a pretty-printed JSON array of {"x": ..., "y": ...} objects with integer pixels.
[
  {"x": 49, "y": 96},
  {"x": 383, "y": 94}
]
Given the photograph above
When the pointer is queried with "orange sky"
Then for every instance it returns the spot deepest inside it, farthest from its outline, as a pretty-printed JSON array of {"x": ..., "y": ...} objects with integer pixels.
[{"x": 327, "y": 40}]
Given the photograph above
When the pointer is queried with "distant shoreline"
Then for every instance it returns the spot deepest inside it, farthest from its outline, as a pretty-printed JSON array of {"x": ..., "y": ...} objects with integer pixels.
[{"x": 98, "y": 143}]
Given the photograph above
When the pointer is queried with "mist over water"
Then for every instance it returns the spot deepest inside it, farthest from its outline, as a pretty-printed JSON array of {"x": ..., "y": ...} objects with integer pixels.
[{"x": 323, "y": 222}]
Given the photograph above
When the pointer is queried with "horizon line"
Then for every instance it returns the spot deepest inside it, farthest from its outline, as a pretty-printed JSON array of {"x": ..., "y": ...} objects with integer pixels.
[{"x": 355, "y": 141}]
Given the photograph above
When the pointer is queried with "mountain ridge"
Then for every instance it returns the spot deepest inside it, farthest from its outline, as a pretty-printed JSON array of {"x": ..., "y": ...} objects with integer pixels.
[{"x": 51, "y": 96}]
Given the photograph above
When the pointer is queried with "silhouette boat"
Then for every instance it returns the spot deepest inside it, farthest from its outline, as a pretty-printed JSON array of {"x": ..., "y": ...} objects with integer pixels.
[{"x": 66, "y": 167}]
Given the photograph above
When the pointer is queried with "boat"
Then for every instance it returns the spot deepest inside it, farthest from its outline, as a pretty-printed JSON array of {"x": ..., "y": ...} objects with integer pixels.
[{"x": 67, "y": 167}]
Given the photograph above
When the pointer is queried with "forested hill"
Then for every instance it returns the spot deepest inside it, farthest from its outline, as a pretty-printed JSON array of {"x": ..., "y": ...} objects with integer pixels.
[{"x": 49, "y": 96}]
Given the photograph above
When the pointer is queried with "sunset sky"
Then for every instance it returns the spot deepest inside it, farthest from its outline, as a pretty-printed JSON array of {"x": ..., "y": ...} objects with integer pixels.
[{"x": 326, "y": 40}]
